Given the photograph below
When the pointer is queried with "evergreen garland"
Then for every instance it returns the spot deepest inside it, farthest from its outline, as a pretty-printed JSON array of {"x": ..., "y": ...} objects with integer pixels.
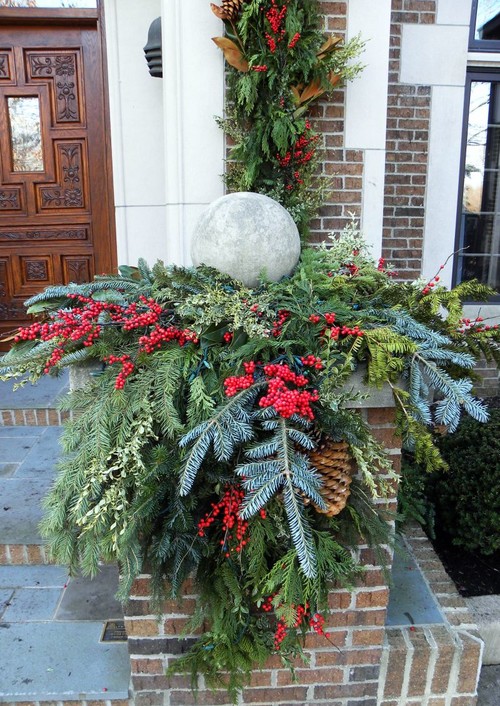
[
  {"x": 190, "y": 451},
  {"x": 279, "y": 62}
]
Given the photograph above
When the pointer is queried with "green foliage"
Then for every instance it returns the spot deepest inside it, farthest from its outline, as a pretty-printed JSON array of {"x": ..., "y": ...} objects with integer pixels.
[
  {"x": 156, "y": 450},
  {"x": 414, "y": 497},
  {"x": 275, "y": 73},
  {"x": 467, "y": 499}
]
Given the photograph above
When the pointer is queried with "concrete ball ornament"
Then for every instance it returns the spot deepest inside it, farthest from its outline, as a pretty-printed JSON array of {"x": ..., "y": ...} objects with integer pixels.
[{"x": 246, "y": 235}]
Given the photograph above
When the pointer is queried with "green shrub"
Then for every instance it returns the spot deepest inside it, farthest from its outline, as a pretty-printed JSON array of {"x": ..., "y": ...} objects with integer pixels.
[
  {"x": 467, "y": 497},
  {"x": 414, "y": 497}
]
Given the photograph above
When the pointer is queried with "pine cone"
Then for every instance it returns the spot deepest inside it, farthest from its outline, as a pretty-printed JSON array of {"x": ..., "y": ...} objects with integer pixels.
[
  {"x": 334, "y": 463},
  {"x": 231, "y": 8},
  {"x": 229, "y": 11}
]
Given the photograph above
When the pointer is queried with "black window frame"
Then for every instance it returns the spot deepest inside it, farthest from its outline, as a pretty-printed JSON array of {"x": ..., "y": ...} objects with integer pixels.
[
  {"x": 473, "y": 74},
  {"x": 480, "y": 45}
]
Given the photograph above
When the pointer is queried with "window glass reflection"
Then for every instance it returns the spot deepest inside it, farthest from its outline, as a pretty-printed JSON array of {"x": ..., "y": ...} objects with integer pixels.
[
  {"x": 25, "y": 134},
  {"x": 480, "y": 225},
  {"x": 488, "y": 20}
]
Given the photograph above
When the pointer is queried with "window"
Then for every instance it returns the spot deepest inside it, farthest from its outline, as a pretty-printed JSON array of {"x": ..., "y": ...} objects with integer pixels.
[
  {"x": 479, "y": 222},
  {"x": 485, "y": 26}
]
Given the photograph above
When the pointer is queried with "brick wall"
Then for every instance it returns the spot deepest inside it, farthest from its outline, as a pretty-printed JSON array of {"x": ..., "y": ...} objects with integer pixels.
[
  {"x": 344, "y": 673},
  {"x": 432, "y": 665},
  {"x": 489, "y": 385},
  {"x": 343, "y": 167},
  {"x": 408, "y": 119}
]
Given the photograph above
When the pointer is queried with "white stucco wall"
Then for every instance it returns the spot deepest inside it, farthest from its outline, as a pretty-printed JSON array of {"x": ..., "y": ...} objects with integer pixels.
[
  {"x": 167, "y": 151},
  {"x": 366, "y": 109}
]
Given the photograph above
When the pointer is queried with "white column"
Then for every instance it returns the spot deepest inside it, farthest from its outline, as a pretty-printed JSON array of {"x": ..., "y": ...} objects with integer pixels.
[
  {"x": 193, "y": 83},
  {"x": 426, "y": 59},
  {"x": 136, "y": 117}
]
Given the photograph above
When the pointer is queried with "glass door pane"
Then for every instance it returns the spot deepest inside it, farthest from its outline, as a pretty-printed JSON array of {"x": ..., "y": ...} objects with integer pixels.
[{"x": 25, "y": 134}]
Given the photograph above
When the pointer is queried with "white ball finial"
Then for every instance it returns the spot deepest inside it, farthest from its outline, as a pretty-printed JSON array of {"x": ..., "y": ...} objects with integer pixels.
[{"x": 244, "y": 235}]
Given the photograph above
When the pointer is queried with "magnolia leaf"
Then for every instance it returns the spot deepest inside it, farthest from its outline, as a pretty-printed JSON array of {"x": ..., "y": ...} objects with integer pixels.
[
  {"x": 300, "y": 111},
  {"x": 218, "y": 11},
  {"x": 334, "y": 78},
  {"x": 128, "y": 271},
  {"x": 328, "y": 46},
  {"x": 232, "y": 53},
  {"x": 313, "y": 90}
]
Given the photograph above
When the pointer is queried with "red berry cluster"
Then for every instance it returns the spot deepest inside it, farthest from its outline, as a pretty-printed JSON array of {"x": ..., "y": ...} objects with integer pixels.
[
  {"x": 283, "y": 315},
  {"x": 228, "y": 337},
  {"x": 303, "y": 617},
  {"x": 317, "y": 622},
  {"x": 140, "y": 319},
  {"x": 302, "y": 153},
  {"x": 312, "y": 361},
  {"x": 351, "y": 268},
  {"x": 54, "y": 359},
  {"x": 127, "y": 369},
  {"x": 275, "y": 17},
  {"x": 336, "y": 331},
  {"x": 286, "y": 401},
  {"x": 381, "y": 268},
  {"x": 432, "y": 283},
  {"x": 475, "y": 325},
  {"x": 260, "y": 68},
  {"x": 159, "y": 335},
  {"x": 234, "y": 529},
  {"x": 235, "y": 383},
  {"x": 294, "y": 40}
]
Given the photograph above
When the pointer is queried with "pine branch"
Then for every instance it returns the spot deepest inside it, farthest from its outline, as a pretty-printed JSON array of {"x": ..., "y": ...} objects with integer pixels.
[{"x": 228, "y": 428}]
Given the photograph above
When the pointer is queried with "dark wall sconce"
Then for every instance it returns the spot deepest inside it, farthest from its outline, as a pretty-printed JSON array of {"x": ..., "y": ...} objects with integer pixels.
[{"x": 152, "y": 50}]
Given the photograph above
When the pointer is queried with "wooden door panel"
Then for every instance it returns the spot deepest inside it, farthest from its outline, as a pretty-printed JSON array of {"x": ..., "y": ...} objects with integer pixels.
[
  {"x": 70, "y": 189},
  {"x": 61, "y": 72},
  {"x": 56, "y": 206},
  {"x": 7, "y": 75},
  {"x": 23, "y": 236}
]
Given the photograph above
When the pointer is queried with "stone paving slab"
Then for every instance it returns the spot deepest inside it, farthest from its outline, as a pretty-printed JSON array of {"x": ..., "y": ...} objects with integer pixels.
[
  {"x": 33, "y": 577},
  {"x": 56, "y": 661},
  {"x": 489, "y": 686},
  {"x": 7, "y": 470},
  {"x": 43, "y": 455},
  {"x": 45, "y": 393},
  {"x": 5, "y": 596},
  {"x": 410, "y": 601},
  {"x": 14, "y": 449},
  {"x": 21, "y": 510},
  {"x": 91, "y": 599},
  {"x": 8, "y": 431},
  {"x": 32, "y": 604}
]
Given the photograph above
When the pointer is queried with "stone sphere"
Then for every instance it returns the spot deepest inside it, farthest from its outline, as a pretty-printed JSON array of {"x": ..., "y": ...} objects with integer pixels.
[{"x": 245, "y": 235}]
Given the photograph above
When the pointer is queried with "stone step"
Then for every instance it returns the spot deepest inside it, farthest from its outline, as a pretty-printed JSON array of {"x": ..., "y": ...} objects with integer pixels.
[
  {"x": 51, "y": 629},
  {"x": 33, "y": 405},
  {"x": 28, "y": 457}
]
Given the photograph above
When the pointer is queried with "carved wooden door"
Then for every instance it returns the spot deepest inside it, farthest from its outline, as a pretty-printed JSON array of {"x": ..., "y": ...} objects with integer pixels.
[{"x": 56, "y": 206}]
